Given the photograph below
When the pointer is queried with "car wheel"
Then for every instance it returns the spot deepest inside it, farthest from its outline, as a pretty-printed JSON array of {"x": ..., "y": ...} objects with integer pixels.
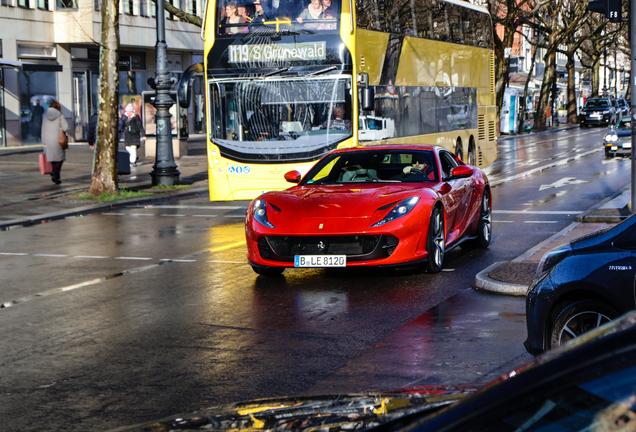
[
  {"x": 484, "y": 229},
  {"x": 459, "y": 150},
  {"x": 268, "y": 271},
  {"x": 607, "y": 153},
  {"x": 436, "y": 243},
  {"x": 579, "y": 317}
]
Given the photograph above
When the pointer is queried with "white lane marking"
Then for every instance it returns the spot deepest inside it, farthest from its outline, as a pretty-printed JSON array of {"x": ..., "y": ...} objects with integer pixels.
[
  {"x": 113, "y": 214},
  {"x": 13, "y": 253},
  {"x": 177, "y": 260},
  {"x": 194, "y": 207},
  {"x": 50, "y": 255},
  {"x": 536, "y": 212},
  {"x": 543, "y": 167},
  {"x": 133, "y": 258},
  {"x": 172, "y": 215},
  {"x": 498, "y": 221},
  {"x": 91, "y": 257},
  {"x": 565, "y": 181},
  {"x": 140, "y": 214},
  {"x": 205, "y": 215},
  {"x": 540, "y": 222}
]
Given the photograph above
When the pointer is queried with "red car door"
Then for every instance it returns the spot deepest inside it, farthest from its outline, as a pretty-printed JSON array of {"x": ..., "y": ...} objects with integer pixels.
[{"x": 455, "y": 195}]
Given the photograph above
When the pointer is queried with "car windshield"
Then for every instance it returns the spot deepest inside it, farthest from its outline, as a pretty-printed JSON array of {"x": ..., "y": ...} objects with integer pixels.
[
  {"x": 372, "y": 166},
  {"x": 597, "y": 103},
  {"x": 624, "y": 125}
]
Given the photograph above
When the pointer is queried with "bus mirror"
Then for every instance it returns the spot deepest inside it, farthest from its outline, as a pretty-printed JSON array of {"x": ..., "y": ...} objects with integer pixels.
[
  {"x": 368, "y": 96},
  {"x": 184, "y": 89}
]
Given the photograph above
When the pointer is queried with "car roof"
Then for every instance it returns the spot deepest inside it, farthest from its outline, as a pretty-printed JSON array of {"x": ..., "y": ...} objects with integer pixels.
[{"x": 409, "y": 147}]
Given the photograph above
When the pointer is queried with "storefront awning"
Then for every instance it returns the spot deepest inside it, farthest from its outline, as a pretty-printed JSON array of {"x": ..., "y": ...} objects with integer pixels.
[
  {"x": 10, "y": 64},
  {"x": 41, "y": 67}
]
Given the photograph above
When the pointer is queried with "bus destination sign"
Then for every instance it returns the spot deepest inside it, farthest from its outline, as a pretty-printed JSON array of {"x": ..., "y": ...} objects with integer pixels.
[{"x": 276, "y": 52}]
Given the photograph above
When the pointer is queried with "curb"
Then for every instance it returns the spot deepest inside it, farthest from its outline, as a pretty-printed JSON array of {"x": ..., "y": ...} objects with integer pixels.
[
  {"x": 485, "y": 283},
  {"x": 586, "y": 217},
  {"x": 100, "y": 208}
]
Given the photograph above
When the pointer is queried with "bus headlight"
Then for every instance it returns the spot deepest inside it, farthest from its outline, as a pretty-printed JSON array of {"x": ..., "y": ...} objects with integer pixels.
[
  {"x": 401, "y": 209},
  {"x": 260, "y": 213}
]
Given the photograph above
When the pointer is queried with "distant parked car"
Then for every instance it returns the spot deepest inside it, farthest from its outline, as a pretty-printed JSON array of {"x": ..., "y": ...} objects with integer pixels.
[
  {"x": 625, "y": 108},
  {"x": 619, "y": 140},
  {"x": 598, "y": 111},
  {"x": 580, "y": 286}
]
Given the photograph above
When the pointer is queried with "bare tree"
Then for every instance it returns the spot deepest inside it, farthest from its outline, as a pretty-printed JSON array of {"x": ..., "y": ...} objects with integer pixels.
[{"x": 105, "y": 174}]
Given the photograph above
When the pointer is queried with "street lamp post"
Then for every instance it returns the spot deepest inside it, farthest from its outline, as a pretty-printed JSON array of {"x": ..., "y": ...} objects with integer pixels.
[{"x": 164, "y": 171}]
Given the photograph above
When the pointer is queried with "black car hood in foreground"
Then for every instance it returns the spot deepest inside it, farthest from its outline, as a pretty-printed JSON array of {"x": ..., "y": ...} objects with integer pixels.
[{"x": 335, "y": 413}]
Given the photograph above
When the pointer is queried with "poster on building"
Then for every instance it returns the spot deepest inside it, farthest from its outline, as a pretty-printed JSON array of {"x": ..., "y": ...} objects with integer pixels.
[{"x": 149, "y": 110}]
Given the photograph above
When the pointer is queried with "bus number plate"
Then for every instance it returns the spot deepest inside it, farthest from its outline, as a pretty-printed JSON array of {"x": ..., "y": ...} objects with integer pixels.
[{"x": 320, "y": 261}]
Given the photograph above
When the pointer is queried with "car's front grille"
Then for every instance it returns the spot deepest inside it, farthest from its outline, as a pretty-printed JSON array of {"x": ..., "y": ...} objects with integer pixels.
[{"x": 356, "y": 248}]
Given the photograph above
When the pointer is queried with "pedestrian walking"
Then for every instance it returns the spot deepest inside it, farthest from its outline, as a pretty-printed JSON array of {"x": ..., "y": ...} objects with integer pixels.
[
  {"x": 36, "y": 120},
  {"x": 53, "y": 122},
  {"x": 133, "y": 131}
]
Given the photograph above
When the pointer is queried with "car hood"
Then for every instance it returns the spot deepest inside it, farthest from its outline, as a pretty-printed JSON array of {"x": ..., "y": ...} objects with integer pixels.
[
  {"x": 350, "y": 201},
  {"x": 333, "y": 413}
]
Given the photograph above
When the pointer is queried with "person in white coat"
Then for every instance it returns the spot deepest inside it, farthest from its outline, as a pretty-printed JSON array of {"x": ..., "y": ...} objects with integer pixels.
[{"x": 51, "y": 124}]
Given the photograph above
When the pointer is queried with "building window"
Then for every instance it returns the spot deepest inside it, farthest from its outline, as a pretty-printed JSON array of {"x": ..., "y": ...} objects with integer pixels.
[
  {"x": 23, "y": 3},
  {"x": 4, "y": 3},
  {"x": 143, "y": 7},
  {"x": 153, "y": 9},
  {"x": 97, "y": 5},
  {"x": 43, "y": 4},
  {"x": 128, "y": 7},
  {"x": 193, "y": 7},
  {"x": 67, "y": 4}
]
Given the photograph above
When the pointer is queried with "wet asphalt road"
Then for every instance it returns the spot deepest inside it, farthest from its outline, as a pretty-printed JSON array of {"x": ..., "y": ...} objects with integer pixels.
[{"x": 132, "y": 316}]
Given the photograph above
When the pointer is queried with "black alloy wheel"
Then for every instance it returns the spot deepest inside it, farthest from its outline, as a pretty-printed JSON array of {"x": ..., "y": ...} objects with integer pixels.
[
  {"x": 579, "y": 317},
  {"x": 436, "y": 243},
  {"x": 268, "y": 271},
  {"x": 484, "y": 229}
]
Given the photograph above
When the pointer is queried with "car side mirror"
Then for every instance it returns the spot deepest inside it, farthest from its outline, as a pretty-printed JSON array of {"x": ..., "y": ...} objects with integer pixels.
[
  {"x": 461, "y": 171},
  {"x": 293, "y": 177}
]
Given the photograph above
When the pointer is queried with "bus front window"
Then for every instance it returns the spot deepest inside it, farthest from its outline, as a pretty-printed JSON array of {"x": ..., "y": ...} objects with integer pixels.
[
  {"x": 291, "y": 119},
  {"x": 236, "y": 18}
]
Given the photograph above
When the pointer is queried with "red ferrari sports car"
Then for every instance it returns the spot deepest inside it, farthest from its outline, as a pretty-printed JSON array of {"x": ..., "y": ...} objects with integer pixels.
[{"x": 371, "y": 206}]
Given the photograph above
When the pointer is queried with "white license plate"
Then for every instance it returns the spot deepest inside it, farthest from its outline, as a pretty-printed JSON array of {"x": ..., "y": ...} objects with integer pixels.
[
  {"x": 320, "y": 261},
  {"x": 614, "y": 147}
]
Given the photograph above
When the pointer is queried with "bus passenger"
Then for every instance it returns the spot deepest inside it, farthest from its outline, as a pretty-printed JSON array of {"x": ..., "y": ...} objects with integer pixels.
[
  {"x": 339, "y": 121},
  {"x": 232, "y": 17},
  {"x": 263, "y": 12},
  {"x": 313, "y": 12}
]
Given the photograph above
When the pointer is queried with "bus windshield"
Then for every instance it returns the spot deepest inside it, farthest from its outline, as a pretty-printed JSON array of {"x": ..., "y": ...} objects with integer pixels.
[
  {"x": 239, "y": 17},
  {"x": 292, "y": 119}
]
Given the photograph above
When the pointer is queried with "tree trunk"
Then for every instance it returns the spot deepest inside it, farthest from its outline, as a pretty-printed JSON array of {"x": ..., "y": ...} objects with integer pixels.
[
  {"x": 524, "y": 99},
  {"x": 573, "y": 117},
  {"x": 546, "y": 87},
  {"x": 595, "y": 77},
  {"x": 105, "y": 173}
]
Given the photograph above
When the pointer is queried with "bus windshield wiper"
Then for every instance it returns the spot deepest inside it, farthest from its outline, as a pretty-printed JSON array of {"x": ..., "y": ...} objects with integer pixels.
[
  {"x": 276, "y": 72},
  {"x": 322, "y": 71}
]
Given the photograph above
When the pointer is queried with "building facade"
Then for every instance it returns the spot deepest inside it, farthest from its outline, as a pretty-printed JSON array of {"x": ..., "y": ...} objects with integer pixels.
[{"x": 49, "y": 50}]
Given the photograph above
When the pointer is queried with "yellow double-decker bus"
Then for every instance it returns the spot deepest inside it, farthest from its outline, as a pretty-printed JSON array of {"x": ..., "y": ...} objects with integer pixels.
[{"x": 290, "y": 80}]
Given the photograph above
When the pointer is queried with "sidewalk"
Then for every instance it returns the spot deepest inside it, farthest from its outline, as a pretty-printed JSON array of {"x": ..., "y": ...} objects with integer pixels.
[
  {"x": 28, "y": 197},
  {"x": 514, "y": 277}
]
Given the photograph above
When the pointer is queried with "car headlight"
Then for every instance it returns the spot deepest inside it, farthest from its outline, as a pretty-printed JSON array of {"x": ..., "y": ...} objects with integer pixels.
[
  {"x": 401, "y": 209},
  {"x": 552, "y": 258},
  {"x": 611, "y": 137},
  {"x": 260, "y": 213}
]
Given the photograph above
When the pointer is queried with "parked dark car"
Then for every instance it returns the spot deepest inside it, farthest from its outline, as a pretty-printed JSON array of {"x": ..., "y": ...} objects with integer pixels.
[
  {"x": 588, "y": 384},
  {"x": 618, "y": 142},
  {"x": 581, "y": 285},
  {"x": 625, "y": 108},
  {"x": 598, "y": 111}
]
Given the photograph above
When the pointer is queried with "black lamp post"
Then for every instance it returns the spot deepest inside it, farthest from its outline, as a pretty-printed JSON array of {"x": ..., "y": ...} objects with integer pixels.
[{"x": 164, "y": 171}]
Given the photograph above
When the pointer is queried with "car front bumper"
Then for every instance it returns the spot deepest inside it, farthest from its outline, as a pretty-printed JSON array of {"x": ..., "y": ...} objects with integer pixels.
[
  {"x": 618, "y": 148},
  {"x": 539, "y": 303}
]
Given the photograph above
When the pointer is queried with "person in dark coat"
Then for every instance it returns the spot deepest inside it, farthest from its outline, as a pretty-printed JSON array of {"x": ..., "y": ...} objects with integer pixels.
[
  {"x": 36, "y": 120},
  {"x": 133, "y": 131},
  {"x": 92, "y": 130}
]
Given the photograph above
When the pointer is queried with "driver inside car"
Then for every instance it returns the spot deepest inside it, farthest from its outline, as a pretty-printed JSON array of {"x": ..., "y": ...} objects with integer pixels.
[{"x": 417, "y": 166}]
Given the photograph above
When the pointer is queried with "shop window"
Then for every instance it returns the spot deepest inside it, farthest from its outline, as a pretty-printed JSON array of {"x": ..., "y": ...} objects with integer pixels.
[
  {"x": 67, "y": 4},
  {"x": 35, "y": 86}
]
